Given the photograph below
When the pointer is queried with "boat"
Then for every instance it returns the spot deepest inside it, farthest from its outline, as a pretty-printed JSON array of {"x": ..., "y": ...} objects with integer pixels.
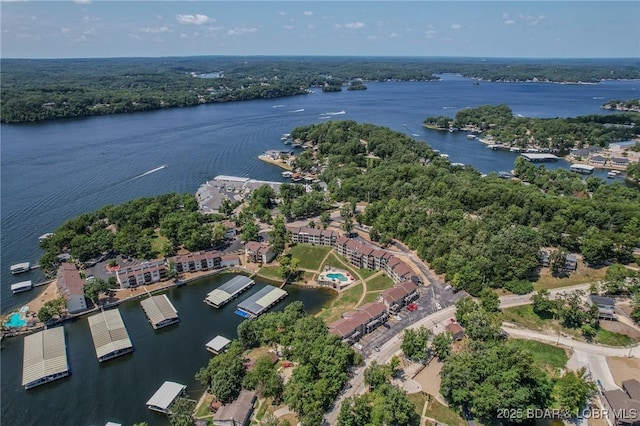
[
  {"x": 21, "y": 286},
  {"x": 45, "y": 236},
  {"x": 19, "y": 268},
  {"x": 514, "y": 149},
  {"x": 613, "y": 174},
  {"x": 286, "y": 174},
  {"x": 471, "y": 137},
  {"x": 296, "y": 145}
]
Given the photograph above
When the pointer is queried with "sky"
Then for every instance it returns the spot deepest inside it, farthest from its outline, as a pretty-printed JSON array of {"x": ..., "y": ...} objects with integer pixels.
[{"x": 509, "y": 29}]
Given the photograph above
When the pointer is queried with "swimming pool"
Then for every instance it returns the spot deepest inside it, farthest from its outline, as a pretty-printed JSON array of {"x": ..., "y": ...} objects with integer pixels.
[
  {"x": 338, "y": 276},
  {"x": 16, "y": 320}
]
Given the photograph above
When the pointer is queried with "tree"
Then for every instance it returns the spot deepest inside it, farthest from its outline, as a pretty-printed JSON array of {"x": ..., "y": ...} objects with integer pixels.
[
  {"x": 347, "y": 224},
  {"x": 376, "y": 375},
  {"x": 287, "y": 265},
  {"x": 489, "y": 301},
  {"x": 414, "y": 343},
  {"x": 441, "y": 345},
  {"x": 557, "y": 259},
  {"x": 182, "y": 412},
  {"x": 250, "y": 231},
  {"x": 572, "y": 391},
  {"x": 325, "y": 219},
  {"x": 264, "y": 379},
  {"x": 278, "y": 235}
]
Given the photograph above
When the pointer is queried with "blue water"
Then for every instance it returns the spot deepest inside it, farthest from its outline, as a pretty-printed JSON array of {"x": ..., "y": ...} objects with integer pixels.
[
  {"x": 53, "y": 171},
  {"x": 337, "y": 276},
  {"x": 16, "y": 320}
]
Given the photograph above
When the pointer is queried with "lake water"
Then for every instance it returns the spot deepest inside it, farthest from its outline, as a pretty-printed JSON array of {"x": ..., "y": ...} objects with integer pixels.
[{"x": 53, "y": 171}]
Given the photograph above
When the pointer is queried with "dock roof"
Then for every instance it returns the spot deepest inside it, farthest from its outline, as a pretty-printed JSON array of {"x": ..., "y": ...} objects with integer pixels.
[
  {"x": 218, "y": 343},
  {"x": 164, "y": 397},
  {"x": 109, "y": 333},
  {"x": 264, "y": 298},
  {"x": 159, "y": 309},
  {"x": 228, "y": 290},
  {"x": 45, "y": 354}
]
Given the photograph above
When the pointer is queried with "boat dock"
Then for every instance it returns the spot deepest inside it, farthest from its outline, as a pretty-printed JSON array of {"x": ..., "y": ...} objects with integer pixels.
[
  {"x": 228, "y": 291},
  {"x": 162, "y": 400},
  {"x": 21, "y": 286},
  {"x": 581, "y": 168},
  {"x": 217, "y": 344},
  {"x": 160, "y": 311},
  {"x": 19, "y": 268},
  {"x": 539, "y": 158},
  {"x": 110, "y": 336},
  {"x": 260, "y": 302},
  {"x": 45, "y": 357}
]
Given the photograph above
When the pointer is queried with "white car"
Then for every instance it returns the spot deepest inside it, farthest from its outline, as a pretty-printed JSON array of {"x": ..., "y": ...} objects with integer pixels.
[
  {"x": 447, "y": 288},
  {"x": 358, "y": 346},
  {"x": 438, "y": 307}
]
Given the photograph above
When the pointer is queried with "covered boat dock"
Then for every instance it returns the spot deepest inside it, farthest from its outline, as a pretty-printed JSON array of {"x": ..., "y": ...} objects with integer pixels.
[
  {"x": 21, "y": 286},
  {"x": 160, "y": 311},
  {"x": 539, "y": 158},
  {"x": 218, "y": 344},
  {"x": 581, "y": 168},
  {"x": 228, "y": 291},
  {"x": 165, "y": 396},
  {"x": 110, "y": 336},
  {"x": 45, "y": 357},
  {"x": 260, "y": 302}
]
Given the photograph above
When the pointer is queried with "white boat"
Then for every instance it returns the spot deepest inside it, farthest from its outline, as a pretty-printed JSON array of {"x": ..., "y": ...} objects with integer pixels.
[
  {"x": 514, "y": 149},
  {"x": 471, "y": 137},
  {"x": 613, "y": 174},
  {"x": 286, "y": 174},
  {"x": 19, "y": 268},
  {"x": 21, "y": 286},
  {"x": 45, "y": 236}
]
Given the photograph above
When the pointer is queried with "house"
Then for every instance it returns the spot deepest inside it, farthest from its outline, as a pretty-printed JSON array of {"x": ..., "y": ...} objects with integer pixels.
[
  {"x": 141, "y": 274},
  {"x": 70, "y": 286},
  {"x": 456, "y": 330},
  {"x": 598, "y": 159},
  {"x": 544, "y": 258},
  {"x": 606, "y": 306},
  {"x": 619, "y": 146},
  {"x": 229, "y": 260},
  {"x": 231, "y": 229},
  {"x": 624, "y": 403},
  {"x": 619, "y": 161},
  {"x": 571, "y": 262},
  {"x": 355, "y": 324},
  {"x": 236, "y": 413},
  {"x": 258, "y": 252},
  {"x": 307, "y": 235},
  {"x": 398, "y": 296},
  {"x": 196, "y": 261}
]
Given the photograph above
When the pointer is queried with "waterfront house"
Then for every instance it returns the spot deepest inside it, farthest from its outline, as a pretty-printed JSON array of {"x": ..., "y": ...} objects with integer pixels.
[
  {"x": 355, "y": 324},
  {"x": 598, "y": 159},
  {"x": 619, "y": 146},
  {"x": 70, "y": 286},
  {"x": 619, "y": 161},
  {"x": 258, "y": 252},
  {"x": 307, "y": 235},
  {"x": 197, "y": 261},
  {"x": 624, "y": 404},
  {"x": 606, "y": 306},
  {"x": 229, "y": 260},
  {"x": 236, "y": 413},
  {"x": 141, "y": 274}
]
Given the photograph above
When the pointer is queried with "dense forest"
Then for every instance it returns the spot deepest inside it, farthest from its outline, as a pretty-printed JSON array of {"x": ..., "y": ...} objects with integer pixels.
[
  {"x": 480, "y": 231},
  {"x": 47, "y": 89},
  {"x": 503, "y": 126}
]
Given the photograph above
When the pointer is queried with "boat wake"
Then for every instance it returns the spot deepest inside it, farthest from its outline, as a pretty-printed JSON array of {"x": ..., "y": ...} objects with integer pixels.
[
  {"x": 335, "y": 113},
  {"x": 164, "y": 166},
  {"x": 324, "y": 117},
  {"x": 447, "y": 107},
  {"x": 298, "y": 110},
  {"x": 277, "y": 106},
  {"x": 414, "y": 134},
  {"x": 598, "y": 97}
]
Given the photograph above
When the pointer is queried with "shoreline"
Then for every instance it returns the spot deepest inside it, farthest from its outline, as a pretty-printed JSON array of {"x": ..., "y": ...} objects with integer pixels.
[{"x": 278, "y": 163}]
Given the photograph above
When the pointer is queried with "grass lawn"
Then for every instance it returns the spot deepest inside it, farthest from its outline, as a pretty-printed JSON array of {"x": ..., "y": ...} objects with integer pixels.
[
  {"x": 418, "y": 399},
  {"x": 203, "y": 409},
  {"x": 310, "y": 256},
  {"x": 345, "y": 302},
  {"x": 611, "y": 338},
  {"x": 370, "y": 297},
  {"x": 542, "y": 353},
  {"x": 270, "y": 272},
  {"x": 444, "y": 414},
  {"x": 380, "y": 282},
  {"x": 582, "y": 275},
  {"x": 366, "y": 273},
  {"x": 157, "y": 244},
  {"x": 524, "y": 315}
]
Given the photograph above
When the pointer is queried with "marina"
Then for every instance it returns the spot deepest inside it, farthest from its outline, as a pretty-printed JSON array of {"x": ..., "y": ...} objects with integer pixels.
[
  {"x": 164, "y": 397},
  {"x": 44, "y": 358},
  {"x": 110, "y": 336},
  {"x": 260, "y": 302},
  {"x": 539, "y": 158},
  {"x": 228, "y": 291},
  {"x": 160, "y": 311},
  {"x": 21, "y": 286},
  {"x": 217, "y": 344}
]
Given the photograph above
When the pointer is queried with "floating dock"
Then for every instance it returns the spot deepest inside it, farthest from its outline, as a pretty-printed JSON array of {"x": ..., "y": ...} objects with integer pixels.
[
  {"x": 160, "y": 312},
  {"x": 110, "y": 336},
  {"x": 539, "y": 158},
  {"x": 228, "y": 291},
  {"x": 21, "y": 286},
  {"x": 45, "y": 357},
  {"x": 19, "y": 268},
  {"x": 260, "y": 302},
  {"x": 581, "y": 168},
  {"x": 163, "y": 398},
  {"x": 218, "y": 344}
]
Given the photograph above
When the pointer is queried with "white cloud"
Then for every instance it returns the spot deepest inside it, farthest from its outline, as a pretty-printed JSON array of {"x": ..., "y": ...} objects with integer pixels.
[
  {"x": 82, "y": 1},
  {"x": 91, "y": 18},
  {"x": 509, "y": 22},
  {"x": 372, "y": 37},
  {"x": 65, "y": 30},
  {"x": 308, "y": 13},
  {"x": 155, "y": 30},
  {"x": 193, "y": 19},
  {"x": 288, "y": 27},
  {"x": 281, "y": 13},
  {"x": 350, "y": 25},
  {"x": 241, "y": 31},
  {"x": 456, "y": 26},
  {"x": 393, "y": 35},
  {"x": 430, "y": 34}
]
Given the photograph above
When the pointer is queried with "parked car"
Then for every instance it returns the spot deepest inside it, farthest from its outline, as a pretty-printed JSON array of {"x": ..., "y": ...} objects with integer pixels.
[
  {"x": 438, "y": 307},
  {"x": 447, "y": 288},
  {"x": 376, "y": 348},
  {"x": 357, "y": 346},
  {"x": 385, "y": 325}
]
